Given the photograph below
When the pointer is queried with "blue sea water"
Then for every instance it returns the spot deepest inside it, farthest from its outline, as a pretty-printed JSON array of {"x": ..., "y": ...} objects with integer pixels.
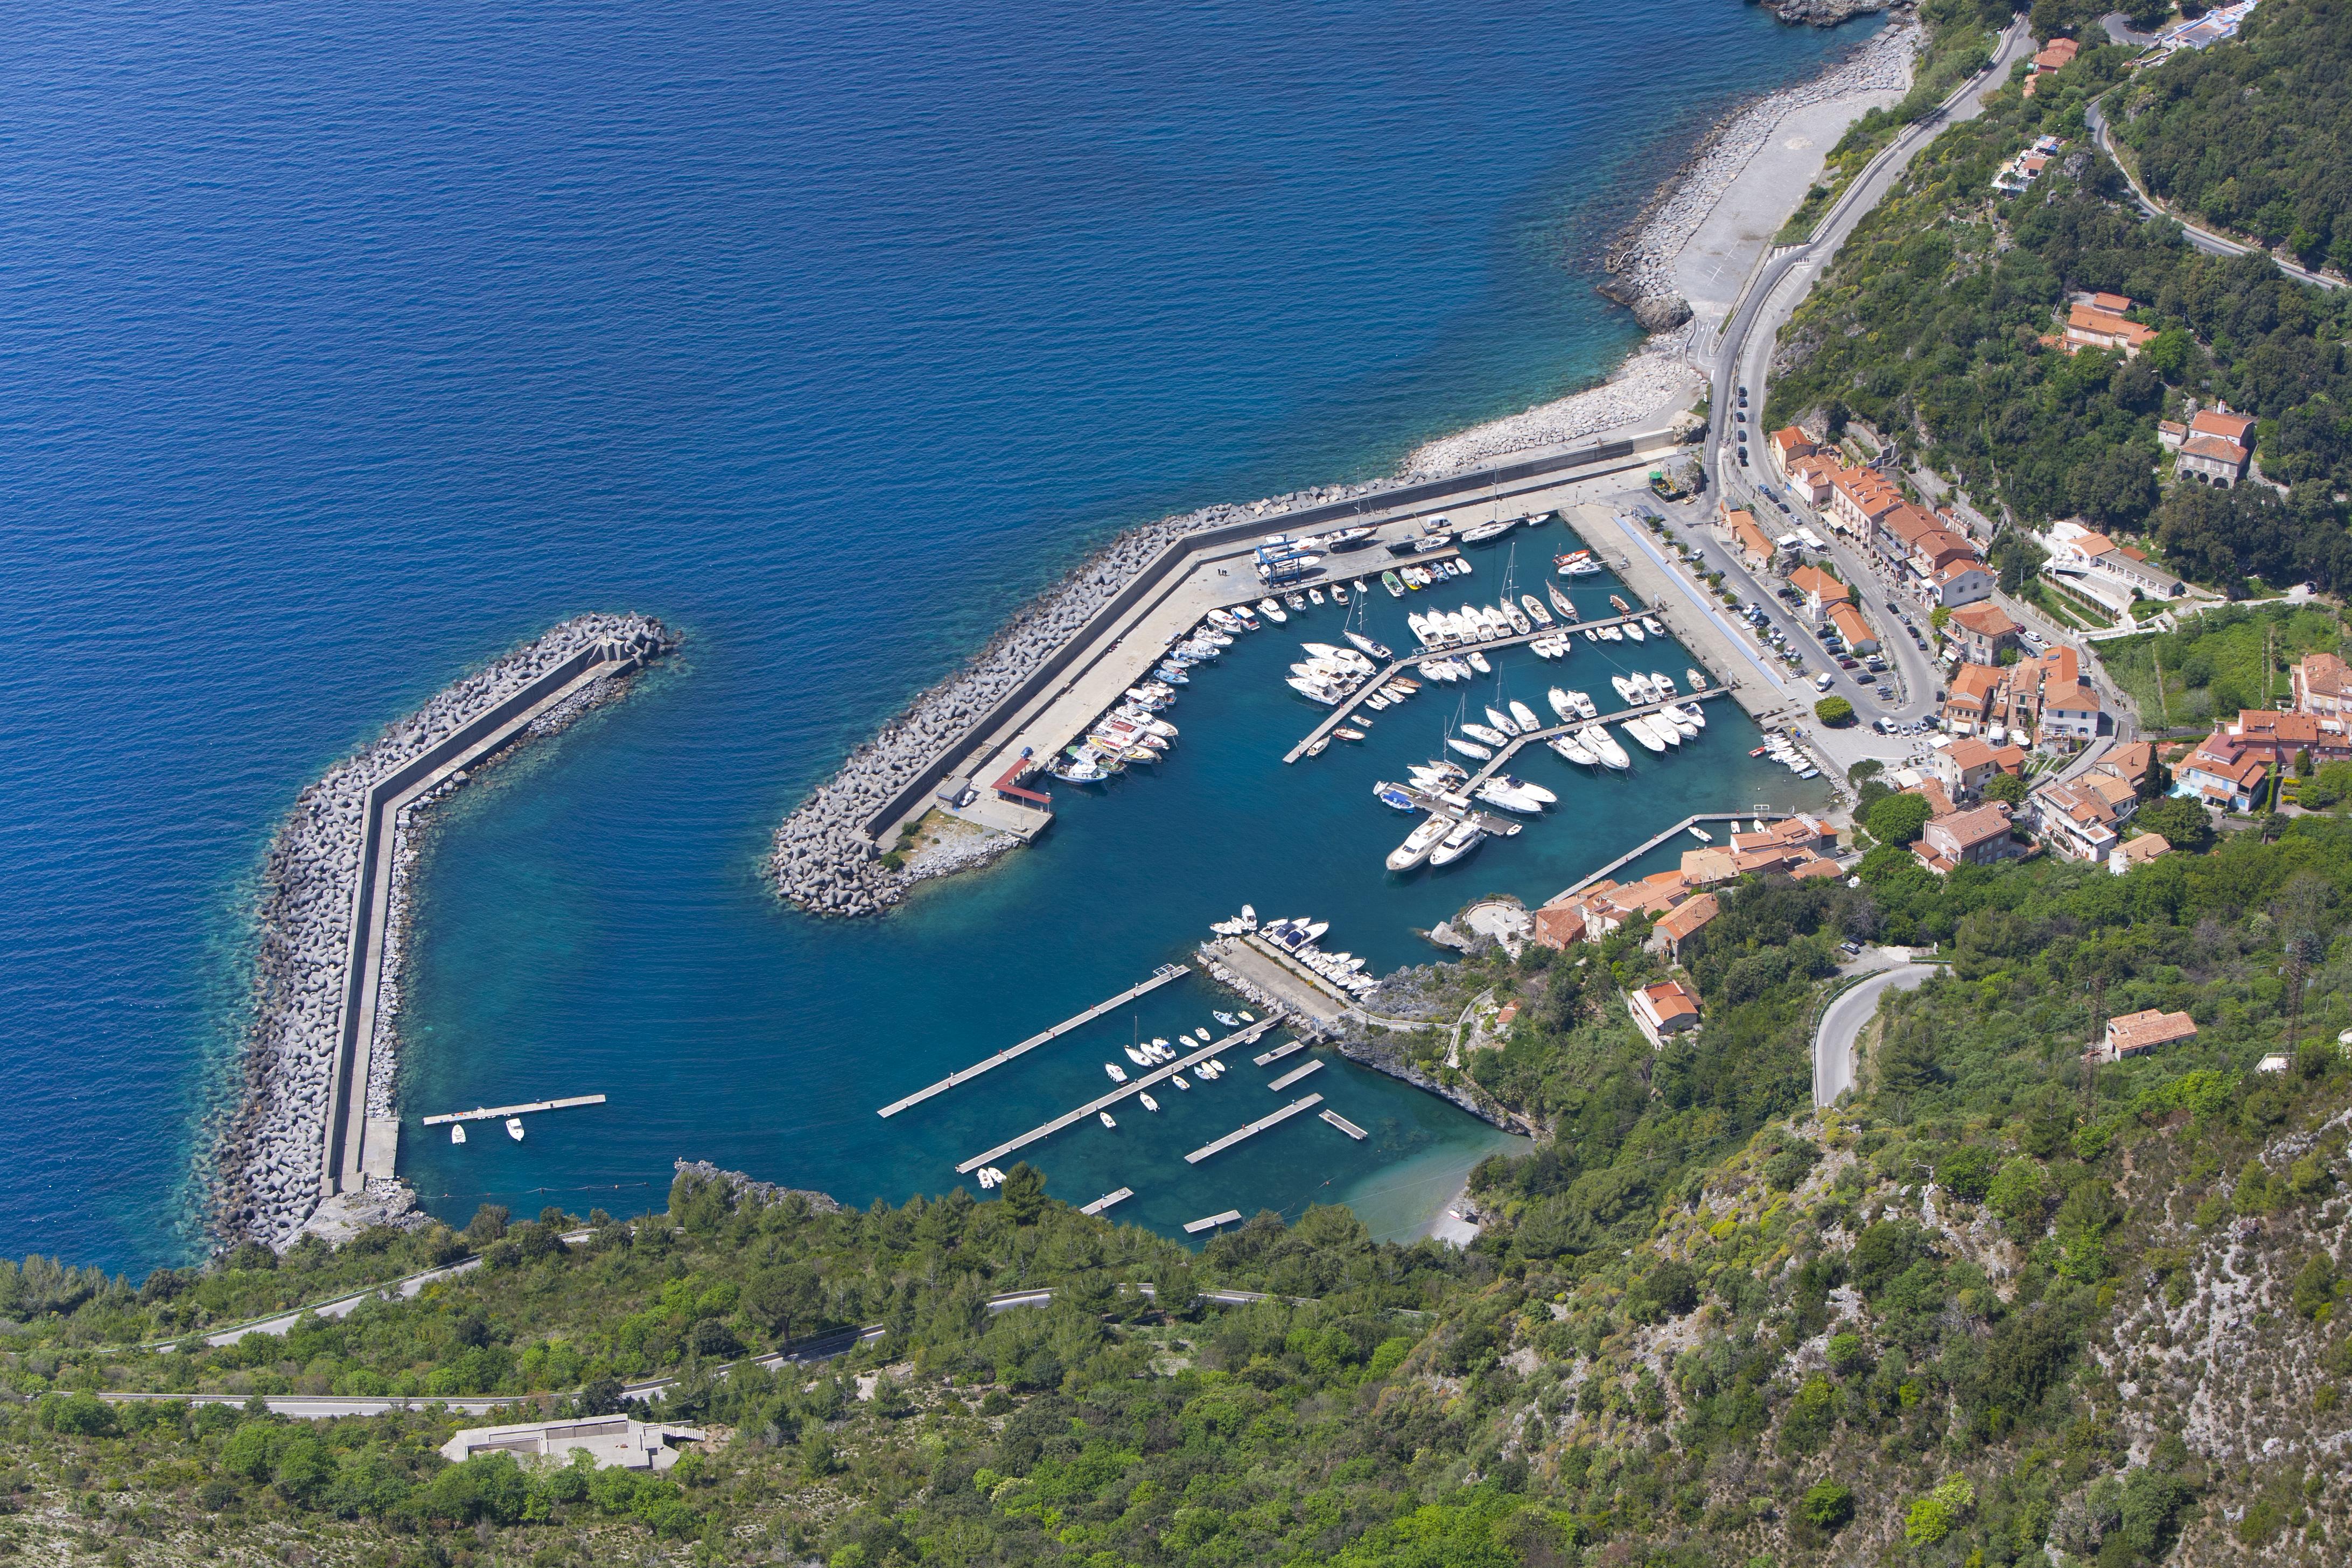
[{"x": 343, "y": 346}]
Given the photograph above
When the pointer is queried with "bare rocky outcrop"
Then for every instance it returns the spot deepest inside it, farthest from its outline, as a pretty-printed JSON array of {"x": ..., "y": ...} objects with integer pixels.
[
  {"x": 1825, "y": 13},
  {"x": 267, "y": 1176},
  {"x": 743, "y": 1186}
]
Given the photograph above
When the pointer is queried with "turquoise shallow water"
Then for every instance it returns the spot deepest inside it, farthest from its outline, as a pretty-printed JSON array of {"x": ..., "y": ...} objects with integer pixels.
[{"x": 347, "y": 346}]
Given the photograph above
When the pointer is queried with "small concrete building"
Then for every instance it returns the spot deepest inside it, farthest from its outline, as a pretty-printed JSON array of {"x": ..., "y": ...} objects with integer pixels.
[
  {"x": 1981, "y": 632},
  {"x": 610, "y": 1440}
]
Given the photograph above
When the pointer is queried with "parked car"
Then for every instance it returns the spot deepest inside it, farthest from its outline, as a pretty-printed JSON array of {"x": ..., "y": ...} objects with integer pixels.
[
  {"x": 1845, "y": 663},
  {"x": 1866, "y": 678},
  {"x": 1743, "y": 457}
]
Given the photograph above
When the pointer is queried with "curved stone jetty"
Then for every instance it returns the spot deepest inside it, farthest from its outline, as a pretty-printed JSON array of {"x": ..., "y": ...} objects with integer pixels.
[{"x": 317, "y": 1060}]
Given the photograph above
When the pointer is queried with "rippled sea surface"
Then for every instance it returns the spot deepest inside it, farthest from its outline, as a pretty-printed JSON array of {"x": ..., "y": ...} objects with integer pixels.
[{"x": 342, "y": 347}]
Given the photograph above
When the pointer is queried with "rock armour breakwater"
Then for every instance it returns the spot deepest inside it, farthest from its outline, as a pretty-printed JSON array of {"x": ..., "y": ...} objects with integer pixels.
[
  {"x": 271, "y": 1161},
  {"x": 825, "y": 859}
]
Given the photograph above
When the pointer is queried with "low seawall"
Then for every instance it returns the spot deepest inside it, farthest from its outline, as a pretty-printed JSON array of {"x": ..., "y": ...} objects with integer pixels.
[
  {"x": 825, "y": 858},
  {"x": 317, "y": 1062}
]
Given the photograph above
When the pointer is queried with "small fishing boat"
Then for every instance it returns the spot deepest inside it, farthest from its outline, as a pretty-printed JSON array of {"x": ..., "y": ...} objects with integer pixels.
[
  {"x": 514, "y": 1128},
  {"x": 457, "y": 1133},
  {"x": 1106, "y": 1121},
  {"x": 1619, "y": 605},
  {"x": 1701, "y": 834},
  {"x": 1177, "y": 1079},
  {"x": 1118, "y": 1073},
  {"x": 984, "y": 1178},
  {"x": 1202, "y": 1034},
  {"x": 1697, "y": 677},
  {"x": 1344, "y": 733},
  {"x": 1631, "y": 631},
  {"x": 1395, "y": 588},
  {"x": 1227, "y": 1019},
  {"x": 1149, "y": 1103},
  {"x": 1295, "y": 601},
  {"x": 1271, "y": 611},
  {"x": 1314, "y": 595},
  {"x": 1650, "y": 625},
  {"x": 1612, "y": 633},
  {"x": 1245, "y": 614}
]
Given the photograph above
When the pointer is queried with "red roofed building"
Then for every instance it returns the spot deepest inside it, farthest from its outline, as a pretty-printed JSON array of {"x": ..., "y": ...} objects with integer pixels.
[
  {"x": 1685, "y": 922},
  {"x": 1966, "y": 766},
  {"x": 2322, "y": 685},
  {"x": 1981, "y": 632},
  {"x": 2135, "y": 1032},
  {"x": 2088, "y": 327},
  {"x": 1787, "y": 445},
  {"x": 1754, "y": 545},
  {"x": 1974, "y": 837},
  {"x": 1666, "y": 1008},
  {"x": 1809, "y": 477},
  {"x": 2220, "y": 773},
  {"x": 2277, "y": 737},
  {"x": 1853, "y": 628},
  {"x": 1821, "y": 590},
  {"x": 1859, "y": 497},
  {"x": 2213, "y": 460}
]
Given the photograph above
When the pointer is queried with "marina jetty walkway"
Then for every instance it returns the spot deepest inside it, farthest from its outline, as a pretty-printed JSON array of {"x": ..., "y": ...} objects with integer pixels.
[
  {"x": 1760, "y": 814},
  {"x": 498, "y": 1112},
  {"x": 1245, "y": 1036},
  {"x": 1207, "y": 570},
  {"x": 1348, "y": 704},
  {"x": 1159, "y": 976},
  {"x": 1252, "y": 1130}
]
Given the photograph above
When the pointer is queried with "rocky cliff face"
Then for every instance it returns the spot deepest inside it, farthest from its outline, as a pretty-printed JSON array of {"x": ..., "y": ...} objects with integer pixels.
[{"x": 1825, "y": 12}]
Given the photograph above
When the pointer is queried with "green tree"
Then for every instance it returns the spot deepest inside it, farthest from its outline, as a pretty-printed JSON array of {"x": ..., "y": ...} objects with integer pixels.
[
  {"x": 1828, "y": 1506},
  {"x": 2018, "y": 1196},
  {"x": 1899, "y": 818},
  {"x": 1023, "y": 1191},
  {"x": 778, "y": 1297},
  {"x": 2183, "y": 824},
  {"x": 2006, "y": 787},
  {"x": 1833, "y": 711}
]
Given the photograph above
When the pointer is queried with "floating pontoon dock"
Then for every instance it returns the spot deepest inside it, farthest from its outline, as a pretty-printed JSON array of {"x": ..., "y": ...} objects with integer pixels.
[
  {"x": 1286, "y": 1080},
  {"x": 1537, "y": 737},
  {"x": 1343, "y": 1124},
  {"x": 1160, "y": 976},
  {"x": 1403, "y": 665},
  {"x": 1195, "y": 1227},
  {"x": 1108, "y": 1199},
  {"x": 1252, "y": 1130},
  {"x": 1248, "y": 1036},
  {"x": 494, "y": 1112},
  {"x": 1275, "y": 1055}
]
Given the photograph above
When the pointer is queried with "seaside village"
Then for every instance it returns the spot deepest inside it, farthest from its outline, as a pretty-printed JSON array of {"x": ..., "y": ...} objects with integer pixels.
[{"x": 2014, "y": 707}]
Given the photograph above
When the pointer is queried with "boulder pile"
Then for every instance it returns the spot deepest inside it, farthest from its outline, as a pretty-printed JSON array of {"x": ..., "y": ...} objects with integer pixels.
[{"x": 267, "y": 1155}]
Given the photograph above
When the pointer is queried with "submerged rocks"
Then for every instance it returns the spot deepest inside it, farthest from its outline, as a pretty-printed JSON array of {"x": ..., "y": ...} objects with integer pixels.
[{"x": 268, "y": 1157}]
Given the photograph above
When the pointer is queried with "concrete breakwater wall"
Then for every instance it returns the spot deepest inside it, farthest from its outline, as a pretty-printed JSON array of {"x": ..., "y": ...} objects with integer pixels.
[
  {"x": 825, "y": 858},
  {"x": 317, "y": 1067}
]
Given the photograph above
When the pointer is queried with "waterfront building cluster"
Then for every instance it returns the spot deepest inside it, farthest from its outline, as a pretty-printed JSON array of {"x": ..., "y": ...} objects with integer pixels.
[{"x": 271, "y": 1162}]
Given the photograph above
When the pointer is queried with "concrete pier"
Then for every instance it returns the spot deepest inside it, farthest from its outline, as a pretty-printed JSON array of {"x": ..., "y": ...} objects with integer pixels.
[
  {"x": 1248, "y": 1036},
  {"x": 1160, "y": 976},
  {"x": 1254, "y": 1129},
  {"x": 498, "y": 1112},
  {"x": 1108, "y": 1199},
  {"x": 1195, "y": 1227},
  {"x": 1405, "y": 664},
  {"x": 318, "y": 1124},
  {"x": 1286, "y": 1080},
  {"x": 1268, "y": 1058},
  {"x": 1344, "y": 1125}
]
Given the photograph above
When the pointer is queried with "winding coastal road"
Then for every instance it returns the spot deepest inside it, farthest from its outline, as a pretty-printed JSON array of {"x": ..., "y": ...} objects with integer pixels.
[
  {"x": 1841, "y": 1025},
  {"x": 2204, "y": 239},
  {"x": 1742, "y": 357}
]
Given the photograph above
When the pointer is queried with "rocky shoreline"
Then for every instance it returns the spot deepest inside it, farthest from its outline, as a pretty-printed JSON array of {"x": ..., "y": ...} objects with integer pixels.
[
  {"x": 267, "y": 1176},
  {"x": 1640, "y": 263}
]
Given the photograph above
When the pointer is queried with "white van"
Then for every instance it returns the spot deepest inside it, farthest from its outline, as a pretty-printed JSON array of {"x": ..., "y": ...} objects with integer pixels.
[{"x": 1822, "y": 681}]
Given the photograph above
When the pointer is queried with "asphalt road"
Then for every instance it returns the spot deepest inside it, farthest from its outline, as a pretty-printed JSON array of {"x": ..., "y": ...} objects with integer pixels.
[
  {"x": 1743, "y": 357},
  {"x": 819, "y": 1348},
  {"x": 2204, "y": 239},
  {"x": 1841, "y": 1025}
]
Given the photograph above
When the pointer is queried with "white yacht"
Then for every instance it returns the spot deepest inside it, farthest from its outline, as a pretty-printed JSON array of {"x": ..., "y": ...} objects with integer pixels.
[
  {"x": 1271, "y": 611},
  {"x": 1503, "y": 722},
  {"x": 1118, "y": 1073},
  {"x": 1419, "y": 843},
  {"x": 1465, "y": 836},
  {"x": 1470, "y": 748},
  {"x": 1604, "y": 746},
  {"x": 1529, "y": 722},
  {"x": 1149, "y": 1103},
  {"x": 514, "y": 1128},
  {"x": 1571, "y": 749},
  {"x": 1106, "y": 1121},
  {"x": 457, "y": 1133},
  {"x": 1481, "y": 732},
  {"x": 1478, "y": 662}
]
